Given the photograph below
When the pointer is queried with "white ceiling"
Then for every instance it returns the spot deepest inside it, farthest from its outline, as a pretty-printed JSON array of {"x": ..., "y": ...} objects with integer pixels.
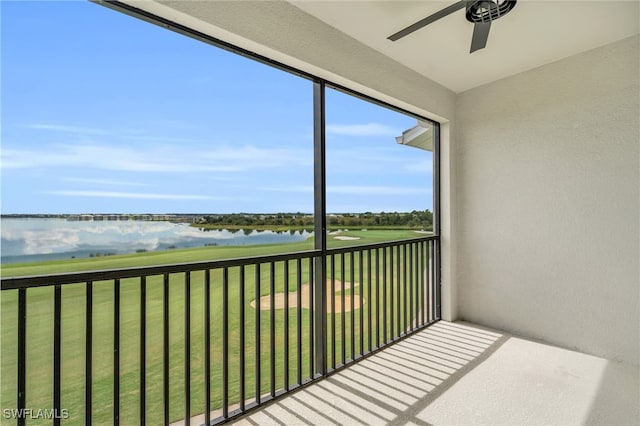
[{"x": 534, "y": 33}]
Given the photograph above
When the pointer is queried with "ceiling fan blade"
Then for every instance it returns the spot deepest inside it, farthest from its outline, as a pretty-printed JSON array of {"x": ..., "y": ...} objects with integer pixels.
[
  {"x": 429, "y": 19},
  {"x": 480, "y": 35}
]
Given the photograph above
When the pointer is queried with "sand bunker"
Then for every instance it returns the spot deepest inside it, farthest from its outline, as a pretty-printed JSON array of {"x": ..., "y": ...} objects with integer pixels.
[
  {"x": 345, "y": 238},
  {"x": 265, "y": 301}
]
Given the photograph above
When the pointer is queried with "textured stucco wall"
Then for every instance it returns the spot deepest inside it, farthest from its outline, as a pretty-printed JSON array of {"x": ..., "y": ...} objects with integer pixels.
[{"x": 548, "y": 193}]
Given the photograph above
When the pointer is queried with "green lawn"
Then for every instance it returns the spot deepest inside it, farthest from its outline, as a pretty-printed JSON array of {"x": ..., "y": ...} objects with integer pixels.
[{"x": 40, "y": 330}]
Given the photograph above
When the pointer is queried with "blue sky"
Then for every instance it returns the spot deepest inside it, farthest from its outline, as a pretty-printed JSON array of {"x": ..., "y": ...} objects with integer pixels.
[{"x": 102, "y": 112}]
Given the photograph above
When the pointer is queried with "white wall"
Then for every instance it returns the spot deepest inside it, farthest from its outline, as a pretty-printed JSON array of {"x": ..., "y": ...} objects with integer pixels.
[{"x": 548, "y": 202}]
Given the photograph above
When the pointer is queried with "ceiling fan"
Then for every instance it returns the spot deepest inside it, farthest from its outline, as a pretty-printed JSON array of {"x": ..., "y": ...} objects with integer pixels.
[{"x": 479, "y": 12}]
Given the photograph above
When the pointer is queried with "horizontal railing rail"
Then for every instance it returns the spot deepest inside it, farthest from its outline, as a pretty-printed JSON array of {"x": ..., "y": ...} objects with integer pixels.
[
  {"x": 200, "y": 343},
  {"x": 10, "y": 283}
]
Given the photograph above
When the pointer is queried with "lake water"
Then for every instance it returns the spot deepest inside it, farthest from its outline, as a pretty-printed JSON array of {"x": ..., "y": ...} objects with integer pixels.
[{"x": 31, "y": 240}]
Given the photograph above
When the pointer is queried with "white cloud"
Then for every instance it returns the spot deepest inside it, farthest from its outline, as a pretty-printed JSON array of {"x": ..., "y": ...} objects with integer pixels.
[
  {"x": 353, "y": 189},
  {"x": 424, "y": 167},
  {"x": 67, "y": 129},
  {"x": 378, "y": 160},
  {"x": 288, "y": 188},
  {"x": 369, "y": 129},
  {"x": 112, "y": 182},
  {"x": 135, "y": 195},
  {"x": 160, "y": 139},
  {"x": 168, "y": 158},
  {"x": 376, "y": 190}
]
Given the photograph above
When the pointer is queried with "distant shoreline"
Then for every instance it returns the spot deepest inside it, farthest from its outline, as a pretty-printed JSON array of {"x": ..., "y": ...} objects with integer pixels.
[
  {"x": 192, "y": 219},
  {"x": 168, "y": 217},
  {"x": 40, "y": 239},
  {"x": 276, "y": 222}
]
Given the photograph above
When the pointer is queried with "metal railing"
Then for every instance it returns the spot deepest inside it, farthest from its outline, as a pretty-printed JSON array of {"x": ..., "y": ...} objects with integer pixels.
[{"x": 204, "y": 342}]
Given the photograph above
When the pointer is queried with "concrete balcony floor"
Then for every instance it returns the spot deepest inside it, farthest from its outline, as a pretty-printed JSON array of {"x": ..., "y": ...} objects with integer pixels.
[{"x": 459, "y": 373}]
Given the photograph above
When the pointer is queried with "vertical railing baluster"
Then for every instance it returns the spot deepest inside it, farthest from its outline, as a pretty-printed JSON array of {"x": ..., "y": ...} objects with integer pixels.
[
  {"x": 416, "y": 277},
  {"x": 257, "y": 336},
  {"x": 427, "y": 273},
  {"x": 57, "y": 341},
  {"x": 286, "y": 325},
  {"x": 391, "y": 293},
  {"x": 311, "y": 322},
  {"x": 88, "y": 351},
  {"x": 116, "y": 352},
  {"x": 362, "y": 301},
  {"x": 436, "y": 260},
  {"x": 411, "y": 283},
  {"x": 333, "y": 311},
  {"x": 415, "y": 280},
  {"x": 225, "y": 343},
  {"x": 421, "y": 281},
  {"x": 207, "y": 346},
  {"x": 272, "y": 328},
  {"x": 143, "y": 350},
  {"x": 422, "y": 284},
  {"x": 399, "y": 290},
  {"x": 22, "y": 355},
  {"x": 165, "y": 349},
  {"x": 187, "y": 348},
  {"x": 299, "y": 319},
  {"x": 241, "y": 349},
  {"x": 404, "y": 289},
  {"x": 384, "y": 295},
  {"x": 377, "y": 275},
  {"x": 342, "y": 324},
  {"x": 416, "y": 266},
  {"x": 428, "y": 280},
  {"x": 433, "y": 280},
  {"x": 370, "y": 301},
  {"x": 353, "y": 305},
  {"x": 427, "y": 288}
]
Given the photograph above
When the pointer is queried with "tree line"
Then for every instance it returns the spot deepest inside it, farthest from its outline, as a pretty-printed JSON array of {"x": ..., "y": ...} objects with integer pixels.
[{"x": 416, "y": 219}]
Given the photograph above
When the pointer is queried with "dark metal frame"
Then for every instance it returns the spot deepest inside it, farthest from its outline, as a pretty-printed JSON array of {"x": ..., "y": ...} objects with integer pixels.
[
  {"x": 407, "y": 285},
  {"x": 437, "y": 217},
  {"x": 320, "y": 219}
]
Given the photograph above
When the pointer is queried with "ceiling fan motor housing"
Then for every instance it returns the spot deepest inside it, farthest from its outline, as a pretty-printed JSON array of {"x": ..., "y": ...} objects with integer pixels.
[{"x": 484, "y": 11}]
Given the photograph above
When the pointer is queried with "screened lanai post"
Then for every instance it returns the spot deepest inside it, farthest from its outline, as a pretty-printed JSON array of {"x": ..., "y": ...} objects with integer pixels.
[
  {"x": 436, "y": 216},
  {"x": 320, "y": 225}
]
